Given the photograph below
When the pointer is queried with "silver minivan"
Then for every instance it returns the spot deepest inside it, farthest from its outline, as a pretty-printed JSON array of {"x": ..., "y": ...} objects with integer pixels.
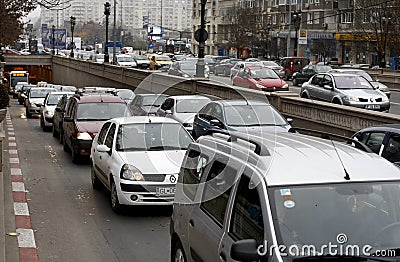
[{"x": 284, "y": 197}]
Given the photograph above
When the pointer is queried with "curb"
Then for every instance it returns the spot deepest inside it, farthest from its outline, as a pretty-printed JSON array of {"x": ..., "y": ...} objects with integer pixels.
[{"x": 25, "y": 234}]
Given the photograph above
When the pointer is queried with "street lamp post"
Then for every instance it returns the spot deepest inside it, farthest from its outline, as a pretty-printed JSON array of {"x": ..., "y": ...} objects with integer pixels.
[
  {"x": 296, "y": 21},
  {"x": 107, "y": 14},
  {"x": 114, "y": 34},
  {"x": 201, "y": 38},
  {"x": 73, "y": 22},
  {"x": 53, "y": 39}
]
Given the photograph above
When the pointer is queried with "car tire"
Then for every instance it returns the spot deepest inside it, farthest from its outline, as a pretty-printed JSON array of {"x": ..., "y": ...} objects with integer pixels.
[
  {"x": 61, "y": 136},
  {"x": 304, "y": 95},
  {"x": 178, "y": 254},
  {"x": 28, "y": 115},
  {"x": 55, "y": 134},
  {"x": 295, "y": 83},
  {"x": 75, "y": 156},
  {"x": 96, "y": 184},
  {"x": 115, "y": 205},
  {"x": 66, "y": 147}
]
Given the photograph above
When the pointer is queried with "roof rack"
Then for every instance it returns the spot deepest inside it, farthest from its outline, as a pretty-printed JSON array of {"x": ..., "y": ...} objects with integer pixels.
[
  {"x": 234, "y": 136},
  {"x": 325, "y": 135}
]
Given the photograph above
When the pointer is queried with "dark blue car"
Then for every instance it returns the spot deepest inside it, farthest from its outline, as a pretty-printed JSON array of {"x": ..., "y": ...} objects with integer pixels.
[
  {"x": 239, "y": 115},
  {"x": 384, "y": 140}
]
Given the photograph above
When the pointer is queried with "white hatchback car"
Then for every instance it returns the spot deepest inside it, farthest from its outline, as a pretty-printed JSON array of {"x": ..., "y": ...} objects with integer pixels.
[
  {"x": 138, "y": 159},
  {"x": 48, "y": 107}
]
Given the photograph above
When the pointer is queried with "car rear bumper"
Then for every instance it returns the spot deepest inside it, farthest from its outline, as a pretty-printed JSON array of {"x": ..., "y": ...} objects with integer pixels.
[{"x": 82, "y": 147}]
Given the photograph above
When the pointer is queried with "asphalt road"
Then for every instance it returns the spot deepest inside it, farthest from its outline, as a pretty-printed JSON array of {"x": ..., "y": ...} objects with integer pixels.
[
  {"x": 394, "y": 99},
  {"x": 72, "y": 222}
]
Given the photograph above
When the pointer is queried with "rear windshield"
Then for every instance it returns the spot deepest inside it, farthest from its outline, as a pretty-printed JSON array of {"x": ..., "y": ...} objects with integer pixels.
[
  {"x": 39, "y": 93},
  {"x": 190, "y": 105},
  {"x": 153, "y": 100},
  {"x": 53, "y": 99},
  {"x": 101, "y": 111}
]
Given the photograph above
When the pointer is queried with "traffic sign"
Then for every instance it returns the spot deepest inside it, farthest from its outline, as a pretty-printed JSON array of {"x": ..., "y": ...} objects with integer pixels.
[{"x": 201, "y": 35}]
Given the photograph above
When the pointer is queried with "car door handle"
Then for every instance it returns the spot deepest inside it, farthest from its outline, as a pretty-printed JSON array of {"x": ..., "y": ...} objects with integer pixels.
[
  {"x": 222, "y": 256},
  {"x": 100, "y": 157},
  {"x": 191, "y": 223}
]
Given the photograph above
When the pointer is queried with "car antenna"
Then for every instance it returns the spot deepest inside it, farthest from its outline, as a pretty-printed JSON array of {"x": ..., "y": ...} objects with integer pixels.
[
  {"x": 347, "y": 176},
  {"x": 149, "y": 120}
]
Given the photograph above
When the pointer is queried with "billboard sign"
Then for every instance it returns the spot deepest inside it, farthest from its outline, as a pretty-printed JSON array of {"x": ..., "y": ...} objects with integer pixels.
[{"x": 60, "y": 38}]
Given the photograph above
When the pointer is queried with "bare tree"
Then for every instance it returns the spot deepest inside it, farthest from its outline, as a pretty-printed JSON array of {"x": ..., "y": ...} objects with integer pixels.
[{"x": 378, "y": 22}]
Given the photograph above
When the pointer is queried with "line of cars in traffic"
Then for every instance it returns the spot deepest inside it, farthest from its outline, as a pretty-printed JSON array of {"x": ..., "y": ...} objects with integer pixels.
[{"x": 232, "y": 189}]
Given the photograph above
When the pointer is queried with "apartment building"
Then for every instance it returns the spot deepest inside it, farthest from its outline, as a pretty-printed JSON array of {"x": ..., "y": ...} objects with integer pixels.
[{"x": 358, "y": 32}]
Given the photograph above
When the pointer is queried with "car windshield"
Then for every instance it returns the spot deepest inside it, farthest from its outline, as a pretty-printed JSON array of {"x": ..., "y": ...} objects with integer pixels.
[
  {"x": 263, "y": 73},
  {"x": 160, "y": 58},
  {"x": 351, "y": 216},
  {"x": 190, "y": 105},
  {"x": 39, "y": 93},
  {"x": 352, "y": 82},
  {"x": 125, "y": 59},
  {"x": 152, "y": 137},
  {"x": 155, "y": 100},
  {"x": 101, "y": 111},
  {"x": 253, "y": 115},
  {"x": 269, "y": 63},
  {"x": 53, "y": 99},
  {"x": 188, "y": 65},
  {"x": 322, "y": 68}
]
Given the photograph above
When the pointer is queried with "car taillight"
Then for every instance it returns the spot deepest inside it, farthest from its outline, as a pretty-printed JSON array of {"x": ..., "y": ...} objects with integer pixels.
[
  {"x": 230, "y": 65},
  {"x": 291, "y": 66}
]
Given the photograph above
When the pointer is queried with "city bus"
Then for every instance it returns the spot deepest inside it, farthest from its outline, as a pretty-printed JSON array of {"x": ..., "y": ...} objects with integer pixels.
[{"x": 17, "y": 76}]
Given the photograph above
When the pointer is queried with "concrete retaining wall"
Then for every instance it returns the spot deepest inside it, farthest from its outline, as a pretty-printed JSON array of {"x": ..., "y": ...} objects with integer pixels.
[{"x": 317, "y": 115}]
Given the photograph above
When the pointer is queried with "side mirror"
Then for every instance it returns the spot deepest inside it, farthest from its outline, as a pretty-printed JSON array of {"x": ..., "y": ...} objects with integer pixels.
[
  {"x": 290, "y": 120},
  {"x": 103, "y": 148},
  {"x": 245, "y": 250},
  {"x": 68, "y": 119},
  {"x": 168, "y": 112}
]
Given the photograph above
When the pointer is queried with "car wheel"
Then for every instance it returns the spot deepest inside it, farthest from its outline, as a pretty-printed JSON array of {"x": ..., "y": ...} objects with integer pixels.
[
  {"x": 304, "y": 95},
  {"x": 54, "y": 131},
  {"x": 75, "y": 156},
  {"x": 336, "y": 101},
  {"x": 28, "y": 115},
  {"x": 178, "y": 253},
  {"x": 295, "y": 82},
  {"x": 66, "y": 147},
  {"x": 61, "y": 136},
  {"x": 95, "y": 181},
  {"x": 115, "y": 205}
]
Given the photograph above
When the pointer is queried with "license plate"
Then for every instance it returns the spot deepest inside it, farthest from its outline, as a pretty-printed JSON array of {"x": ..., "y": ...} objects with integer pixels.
[
  {"x": 163, "y": 191},
  {"x": 372, "y": 107}
]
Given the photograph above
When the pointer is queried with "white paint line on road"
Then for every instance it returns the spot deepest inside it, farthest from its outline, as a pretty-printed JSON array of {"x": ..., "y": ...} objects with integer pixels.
[
  {"x": 12, "y": 144},
  {"x": 394, "y": 103},
  {"x": 21, "y": 209},
  {"x": 16, "y": 171},
  {"x": 11, "y": 133},
  {"x": 13, "y": 152},
  {"x": 26, "y": 238},
  {"x": 18, "y": 186},
  {"x": 11, "y": 138},
  {"x": 14, "y": 160}
]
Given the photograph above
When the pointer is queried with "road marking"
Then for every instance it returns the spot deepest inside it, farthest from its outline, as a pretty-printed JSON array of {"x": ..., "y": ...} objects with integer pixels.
[
  {"x": 26, "y": 237},
  {"x": 394, "y": 103}
]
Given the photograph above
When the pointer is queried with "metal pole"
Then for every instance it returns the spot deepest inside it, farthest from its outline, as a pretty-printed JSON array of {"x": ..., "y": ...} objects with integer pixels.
[
  {"x": 53, "y": 38},
  {"x": 200, "y": 62},
  {"x": 107, "y": 13},
  {"x": 161, "y": 32},
  {"x": 114, "y": 34},
  {"x": 289, "y": 29}
]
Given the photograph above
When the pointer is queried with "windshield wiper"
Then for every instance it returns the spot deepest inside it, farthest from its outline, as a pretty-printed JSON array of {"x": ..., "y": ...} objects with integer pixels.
[
  {"x": 154, "y": 148},
  {"x": 328, "y": 257}
]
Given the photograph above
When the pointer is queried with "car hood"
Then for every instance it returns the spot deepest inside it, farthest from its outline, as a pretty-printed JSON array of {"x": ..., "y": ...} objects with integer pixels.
[
  {"x": 91, "y": 127},
  {"x": 258, "y": 129},
  {"x": 184, "y": 117},
  {"x": 366, "y": 93},
  {"x": 36, "y": 100},
  {"x": 127, "y": 63},
  {"x": 271, "y": 82},
  {"x": 150, "y": 109},
  {"x": 155, "y": 162}
]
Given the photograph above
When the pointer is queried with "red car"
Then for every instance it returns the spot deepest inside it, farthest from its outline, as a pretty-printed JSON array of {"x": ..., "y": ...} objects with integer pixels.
[{"x": 260, "y": 78}]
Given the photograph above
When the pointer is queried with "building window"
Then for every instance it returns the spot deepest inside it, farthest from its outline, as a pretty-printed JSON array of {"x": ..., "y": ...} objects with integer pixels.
[
  {"x": 346, "y": 18},
  {"x": 316, "y": 18},
  {"x": 282, "y": 2},
  {"x": 310, "y": 18}
]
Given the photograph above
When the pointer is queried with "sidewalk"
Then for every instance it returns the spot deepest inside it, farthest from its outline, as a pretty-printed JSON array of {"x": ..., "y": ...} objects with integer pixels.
[{"x": 2, "y": 203}]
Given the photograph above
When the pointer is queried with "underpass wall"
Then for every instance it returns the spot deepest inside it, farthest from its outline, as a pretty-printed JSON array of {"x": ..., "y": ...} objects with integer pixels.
[{"x": 306, "y": 113}]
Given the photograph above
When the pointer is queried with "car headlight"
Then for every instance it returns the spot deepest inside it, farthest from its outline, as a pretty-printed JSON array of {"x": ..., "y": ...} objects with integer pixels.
[
  {"x": 350, "y": 98},
  {"x": 49, "y": 113},
  {"x": 260, "y": 86},
  {"x": 130, "y": 172},
  {"x": 33, "y": 105},
  {"x": 385, "y": 98},
  {"x": 84, "y": 136},
  {"x": 285, "y": 86}
]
